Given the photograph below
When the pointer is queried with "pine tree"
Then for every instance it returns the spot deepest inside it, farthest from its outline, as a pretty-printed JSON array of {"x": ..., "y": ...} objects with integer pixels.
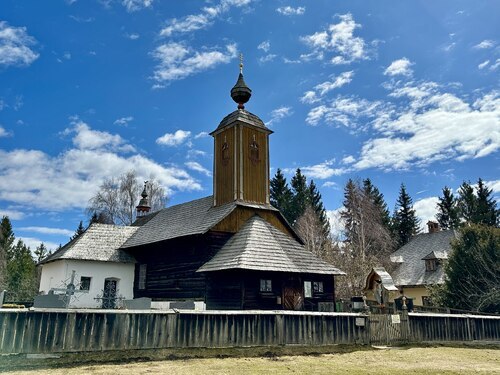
[
  {"x": 405, "y": 221},
  {"x": 80, "y": 229},
  {"x": 467, "y": 203},
  {"x": 21, "y": 274},
  {"x": 281, "y": 195},
  {"x": 447, "y": 215},
  {"x": 300, "y": 192},
  {"x": 40, "y": 252},
  {"x": 486, "y": 206}
]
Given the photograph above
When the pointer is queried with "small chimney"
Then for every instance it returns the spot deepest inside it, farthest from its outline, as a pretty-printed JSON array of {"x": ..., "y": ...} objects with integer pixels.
[
  {"x": 433, "y": 227},
  {"x": 143, "y": 208}
]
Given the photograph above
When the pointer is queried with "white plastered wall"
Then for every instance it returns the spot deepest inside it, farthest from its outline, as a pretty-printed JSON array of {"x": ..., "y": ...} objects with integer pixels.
[{"x": 57, "y": 274}]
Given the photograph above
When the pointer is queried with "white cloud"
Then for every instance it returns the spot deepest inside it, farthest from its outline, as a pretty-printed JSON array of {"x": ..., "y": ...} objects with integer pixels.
[
  {"x": 343, "y": 111},
  {"x": 321, "y": 171},
  {"x": 426, "y": 209},
  {"x": 493, "y": 185},
  {"x": 177, "y": 61},
  {"x": 487, "y": 43},
  {"x": 192, "y": 154},
  {"x": 264, "y": 46},
  {"x": 399, "y": 67},
  {"x": 47, "y": 230},
  {"x": 337, "y": 224},
  {"x": 289, "y": 11},
  {"x": 15, "y": 46},
  {"x": 338, "y": 39},
  {"x": 484, "y": 64},
  {"x": 135, "y": 5},
  {"x": 34, "y": 180},
  {"x": 86, "y": 138},
  {"x": 495, "y": 66},
  {"x": 329, "y": 184},
  {"x": 198, "y": 168},
  {"x": 348, "y": 159},
  {"x": 278, "y": 114},
  {"x": 3, "y": 132},
  {"x": 12, "y": 214},
  {"x": 433, "y": 126},
  {"x": 311, "y": 97},
  {"x": 133, "y": 36},
  {"x": 201, "y": 20},
  {"x": 201, "y": 135},
  {"x": 267, "y": 58},
  {"x": 33, "y": 243},
  {"x": 174, "y": 139},
  {"x": 123, "y": 121}
]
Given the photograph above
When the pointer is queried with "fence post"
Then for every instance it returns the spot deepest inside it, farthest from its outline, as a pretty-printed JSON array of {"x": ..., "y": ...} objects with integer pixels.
[{"x": 405, "y": 323}]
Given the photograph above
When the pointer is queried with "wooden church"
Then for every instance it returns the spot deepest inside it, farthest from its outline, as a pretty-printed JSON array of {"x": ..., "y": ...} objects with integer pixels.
[{"x": 232, "y": 250}]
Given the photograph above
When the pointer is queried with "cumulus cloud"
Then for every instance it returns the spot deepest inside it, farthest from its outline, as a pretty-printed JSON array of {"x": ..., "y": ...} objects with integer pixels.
[
  {"x": 290, "y": 11},
  {"x": 278, "y": 114},
  {"x": 3, "y": 132},
  {"x": 201, "y": 20},
  {"x": 33, "y": 243},
  {"x": 123, "y": 121},
  {"x": 34, "y": 180},
  {"x": 337, "y": 224},
  {"x": 426, "y": 210},
  {"x": 321, "y": 89},
  {"x": 338, "y": 39},
  {"x": 484, "y": 64},
  {"x": 320, "y": 171},
  {"x": 178, "y": 61},
  {"x": 198, "y": 168},
  {"x": 15, "y": 46},
  {"x": 135, "y": 5},
  {"x": 12, "y": 214},
  {"x": 485, "y": 44},
  {"x": 87, "y": 138},
  {"x": 399, "y": 67},
  {"x": 174, "y": 139},
  {"x": 201, "y": 135},
  {"x": 267, "y": 58},
  {"x": 432, "y": 126}
]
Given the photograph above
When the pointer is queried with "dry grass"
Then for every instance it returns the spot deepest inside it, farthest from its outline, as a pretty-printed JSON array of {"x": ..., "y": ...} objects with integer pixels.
[{"x": 440, "y": 360}]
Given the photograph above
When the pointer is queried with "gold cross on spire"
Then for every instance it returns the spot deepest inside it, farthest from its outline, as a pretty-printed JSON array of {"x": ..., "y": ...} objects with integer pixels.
[{"x": 241, "y": 63}]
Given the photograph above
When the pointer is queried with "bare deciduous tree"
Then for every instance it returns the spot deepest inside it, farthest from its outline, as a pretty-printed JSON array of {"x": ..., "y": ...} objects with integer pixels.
[
  {"x": 310, "y": 228},
  {"x": 116, "y": 200}
]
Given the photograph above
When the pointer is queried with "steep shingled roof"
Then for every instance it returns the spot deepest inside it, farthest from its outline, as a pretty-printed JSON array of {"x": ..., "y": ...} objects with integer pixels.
[
  {"x": 411, "y": 266},
  {"x": 260, "y": 246},
  {"x": 186, "y": 219},
  {"x": 243, "y": 116},
  {"x": 100, "y": 242}
]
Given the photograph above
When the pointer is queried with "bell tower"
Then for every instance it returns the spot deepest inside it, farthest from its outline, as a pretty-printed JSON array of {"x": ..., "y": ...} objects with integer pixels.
[{"x": 241, "y": 153}]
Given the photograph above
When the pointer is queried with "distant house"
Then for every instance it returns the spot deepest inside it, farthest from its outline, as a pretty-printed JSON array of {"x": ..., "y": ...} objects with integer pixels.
[
  {"x": 93, "y": 267},
  {"x": 419, "y": 263}
]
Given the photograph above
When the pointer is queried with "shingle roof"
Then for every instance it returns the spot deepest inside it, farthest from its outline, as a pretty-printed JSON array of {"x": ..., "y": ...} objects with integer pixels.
[
  {"x": 260, "y": 246},
  {"x": 385, "y": 278},
  {"x": 411, "y": 271},
  {"x": 242, "y": 116},
  {"x": 186, "y": 219},
  {"x": 100, "y": 242}
]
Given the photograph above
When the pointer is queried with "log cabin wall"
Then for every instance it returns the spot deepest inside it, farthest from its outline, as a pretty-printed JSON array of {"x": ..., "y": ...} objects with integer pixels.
[
  {"x": 241, "y": 289},
  {"x": 225, "y": 176},
  {"x": 254, "y": 165},
  {"x": 171, "y": 267}
]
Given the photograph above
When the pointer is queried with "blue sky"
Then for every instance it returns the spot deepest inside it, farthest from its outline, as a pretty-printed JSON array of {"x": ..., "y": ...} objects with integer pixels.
[{"x": 400, "y": 92}]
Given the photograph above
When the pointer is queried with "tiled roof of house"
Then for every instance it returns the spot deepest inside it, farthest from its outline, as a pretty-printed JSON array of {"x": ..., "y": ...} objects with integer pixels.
[
  {"x": 186, "y": 219},
  {"x": 100, "y": 242},
  {"x": 410, "y": 258},
  {"x": 260, "y": 246}
]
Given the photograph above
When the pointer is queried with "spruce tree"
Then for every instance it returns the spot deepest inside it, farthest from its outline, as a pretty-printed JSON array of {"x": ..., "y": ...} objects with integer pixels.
[
  {"x": 467, "y": 203},
  {"x": 405, "y": 221},
  {"x": 378, "y": 200},
  {"x": 447, "y": 215},
  {"x": 6, "y": 242},
  {"x": 486, "y": 212},
  {"x": 41, "y": 252},
  {"x": 300, "y": 192},
  {"x": 281, "y": 195},
  {"x": 80, "y": 229},
  {"x": 21, "y": 274},
  {"x": 316, "y": 202}
]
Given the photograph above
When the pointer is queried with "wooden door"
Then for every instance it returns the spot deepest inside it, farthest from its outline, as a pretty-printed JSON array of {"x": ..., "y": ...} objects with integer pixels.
[{"x": 293, "y": 297}]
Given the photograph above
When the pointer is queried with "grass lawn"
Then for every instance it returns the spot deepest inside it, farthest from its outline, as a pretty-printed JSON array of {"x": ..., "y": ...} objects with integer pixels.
[{"x": 439, "y": 360}]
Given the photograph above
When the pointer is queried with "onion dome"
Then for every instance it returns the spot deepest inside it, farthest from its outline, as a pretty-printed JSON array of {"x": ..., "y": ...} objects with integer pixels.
[
  {"x": 143, "y": 207},
  {"x": 241, "y": 93}
]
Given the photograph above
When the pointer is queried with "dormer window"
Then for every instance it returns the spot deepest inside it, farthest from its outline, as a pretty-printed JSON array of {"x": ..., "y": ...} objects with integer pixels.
[{"x": 431, "y": 264}]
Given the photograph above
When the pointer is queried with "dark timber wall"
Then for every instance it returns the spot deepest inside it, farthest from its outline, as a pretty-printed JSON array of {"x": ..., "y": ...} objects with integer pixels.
[{"x": 44, "y": 331}]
